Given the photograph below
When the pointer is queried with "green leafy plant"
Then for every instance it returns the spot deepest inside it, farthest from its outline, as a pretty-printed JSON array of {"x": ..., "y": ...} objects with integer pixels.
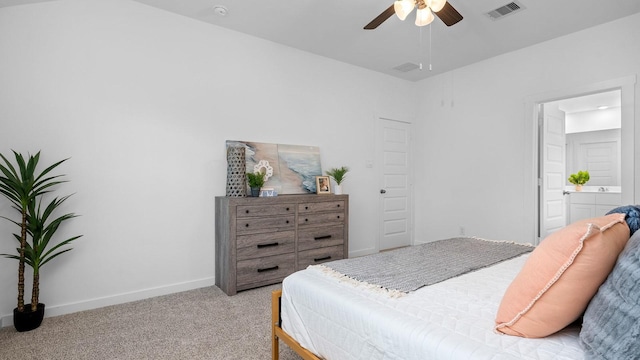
[
  {"x": 256, "y": 179},
  {"x": 41, "y": 228},
  {"x": 24, "y": 187},
  {"x": 579, "y": 178},
  {"x": 338, "y": 174}
]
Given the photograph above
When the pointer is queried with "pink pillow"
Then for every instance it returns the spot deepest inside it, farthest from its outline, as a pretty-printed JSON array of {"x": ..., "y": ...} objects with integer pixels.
[{"x": 561, "y": 276}]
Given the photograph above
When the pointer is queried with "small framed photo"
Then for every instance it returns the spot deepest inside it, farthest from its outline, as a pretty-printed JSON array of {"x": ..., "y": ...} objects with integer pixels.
[{"x": 323, "y": 185}]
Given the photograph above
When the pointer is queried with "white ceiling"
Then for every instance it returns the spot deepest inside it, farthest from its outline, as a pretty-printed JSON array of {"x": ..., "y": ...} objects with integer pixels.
[
  {"x": 5, "y": 3},
  {"x": 333, "y": 28}
]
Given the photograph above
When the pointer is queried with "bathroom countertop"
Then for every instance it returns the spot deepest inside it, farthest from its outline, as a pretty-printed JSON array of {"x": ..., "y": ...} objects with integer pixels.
[{"x": 595, "y": 189}]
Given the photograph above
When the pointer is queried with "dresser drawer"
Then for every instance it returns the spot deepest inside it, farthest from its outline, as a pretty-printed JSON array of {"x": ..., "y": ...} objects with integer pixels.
[
  {"x": 320, "y": 206},
  {"x": 260, "y": 224},
  {"x": 317, "y": 237},
  {"x": 243, "y": 211},
  {"x": 268, "y": 268},
  {"x": 319, "y": 256},
  {"x": 321, "y": 219},
  {"x": 265, "y": 244}
]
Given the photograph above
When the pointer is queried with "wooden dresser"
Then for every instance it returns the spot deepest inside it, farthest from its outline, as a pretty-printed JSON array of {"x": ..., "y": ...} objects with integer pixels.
[{"x": 259, "y": 241}]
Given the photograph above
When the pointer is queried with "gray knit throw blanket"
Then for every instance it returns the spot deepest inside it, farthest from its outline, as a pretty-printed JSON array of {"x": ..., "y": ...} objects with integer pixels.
[{"x": 410, "y": 268}]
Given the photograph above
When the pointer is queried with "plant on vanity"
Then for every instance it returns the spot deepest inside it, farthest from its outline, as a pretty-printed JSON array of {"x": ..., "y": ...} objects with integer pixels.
[
  {"x": 579, "y": 179},
  {"x": 338, "y": 175}
]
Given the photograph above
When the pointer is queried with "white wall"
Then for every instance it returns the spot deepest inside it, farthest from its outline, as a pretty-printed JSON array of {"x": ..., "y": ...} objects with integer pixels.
[
  {"x": 593, "y": 120},
  {"x": 475, "y": 163},
  {"x": 142, "y": 101}
]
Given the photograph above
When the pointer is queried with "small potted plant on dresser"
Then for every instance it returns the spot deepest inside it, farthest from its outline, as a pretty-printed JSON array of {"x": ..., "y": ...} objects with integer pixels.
[
  {"x": 24, "y": 189},
  {"x": 579, "y": 179},
  {"x": 256, "y": 181},
  {"x": 338, "y": 175}
]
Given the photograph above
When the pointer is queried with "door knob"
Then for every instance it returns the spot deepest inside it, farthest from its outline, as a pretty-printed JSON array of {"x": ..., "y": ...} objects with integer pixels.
[
  {"x": 565, "y": 192},
  {"x": 383, "y": 191}
]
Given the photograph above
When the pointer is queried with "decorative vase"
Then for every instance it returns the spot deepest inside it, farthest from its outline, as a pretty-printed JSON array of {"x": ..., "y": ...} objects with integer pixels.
[
  {"x": 337, "y": 190},
  {"x": 28, "y": 320},
  {"x": 578, "y": 187},
  {"x": 236, "y": 171}
]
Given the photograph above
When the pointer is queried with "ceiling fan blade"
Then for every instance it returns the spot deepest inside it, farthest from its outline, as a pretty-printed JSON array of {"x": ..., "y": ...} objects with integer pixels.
[
  {"x": 449, "y": 15},
  {"x": 381, "y": 18}
]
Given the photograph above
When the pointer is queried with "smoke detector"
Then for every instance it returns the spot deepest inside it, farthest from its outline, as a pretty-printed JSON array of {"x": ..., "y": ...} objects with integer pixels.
[{"x": 220, "y": 10}]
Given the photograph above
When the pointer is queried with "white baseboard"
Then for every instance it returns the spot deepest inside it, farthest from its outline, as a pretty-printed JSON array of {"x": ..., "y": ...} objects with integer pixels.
[
  {"x": 56, "y": 310},
  {"x": 363, "y": 252}
]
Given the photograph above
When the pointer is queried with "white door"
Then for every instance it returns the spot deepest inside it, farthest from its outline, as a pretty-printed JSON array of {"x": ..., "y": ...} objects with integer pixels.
[
  {"x": 552, "y": 168},
  {"x": 394, "y": 157}
]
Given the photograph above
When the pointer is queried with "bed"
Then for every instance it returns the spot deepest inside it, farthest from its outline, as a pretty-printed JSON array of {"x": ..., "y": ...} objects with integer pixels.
[{"x": 323, "y": 316}]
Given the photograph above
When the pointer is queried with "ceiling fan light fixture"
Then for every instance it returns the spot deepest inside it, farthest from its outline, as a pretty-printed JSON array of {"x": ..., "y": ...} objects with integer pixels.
[
  {"x": 403, "y": 8},
  {"x": 424, "y": 16},
  {"x": 427, "y": 11},
  {"x": 436, "y": 5}
]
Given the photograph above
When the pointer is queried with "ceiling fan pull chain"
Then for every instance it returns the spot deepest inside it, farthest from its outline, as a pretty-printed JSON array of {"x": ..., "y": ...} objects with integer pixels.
[
  {"x": 420, "y": 47},
  {"x": 430, "y": 48}
]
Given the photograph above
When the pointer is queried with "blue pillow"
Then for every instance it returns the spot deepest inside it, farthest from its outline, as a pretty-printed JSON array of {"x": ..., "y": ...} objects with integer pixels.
[
  {"x": 632, "y": 218},
  {"x": 611, "y": 323}
]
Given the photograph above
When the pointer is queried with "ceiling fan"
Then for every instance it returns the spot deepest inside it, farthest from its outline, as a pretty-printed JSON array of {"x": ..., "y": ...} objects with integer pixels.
[{"x": 424, "y": 14}]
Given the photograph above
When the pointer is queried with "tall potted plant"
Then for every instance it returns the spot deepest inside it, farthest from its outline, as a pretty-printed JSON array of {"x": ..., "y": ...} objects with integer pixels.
[
  {"x": 24, "y": 188},
  {"x": 338, "y": 175}
]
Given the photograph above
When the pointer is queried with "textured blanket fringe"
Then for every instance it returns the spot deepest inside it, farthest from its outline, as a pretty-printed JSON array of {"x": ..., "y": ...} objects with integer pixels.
[
  {"x": 502, "y": 241},
  {"x": 358, "y": 283}
]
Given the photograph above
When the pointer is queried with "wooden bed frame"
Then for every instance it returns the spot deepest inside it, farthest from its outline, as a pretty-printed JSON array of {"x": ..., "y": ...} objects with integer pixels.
[{"x": 278, "y": 334}]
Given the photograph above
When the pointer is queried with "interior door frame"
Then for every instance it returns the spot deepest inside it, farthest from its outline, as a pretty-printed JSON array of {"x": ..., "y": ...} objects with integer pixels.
[
  {"x": 630, "y": 165},
  {"x": 379, "y": 119}
]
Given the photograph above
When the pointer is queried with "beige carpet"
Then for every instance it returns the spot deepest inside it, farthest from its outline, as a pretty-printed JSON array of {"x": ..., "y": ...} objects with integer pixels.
[{"x": 198, "y": 324}]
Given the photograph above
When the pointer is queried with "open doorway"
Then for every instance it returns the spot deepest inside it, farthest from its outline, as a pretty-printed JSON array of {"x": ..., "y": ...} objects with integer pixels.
[
  {"x": 630, "y": 166},
  {"x": 581, "y": 133}
]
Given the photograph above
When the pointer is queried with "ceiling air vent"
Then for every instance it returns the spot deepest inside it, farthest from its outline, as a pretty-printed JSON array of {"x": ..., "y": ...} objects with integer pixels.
[
  {"x": 502, "y": 11},
  {"x": 406, "y": 67}
]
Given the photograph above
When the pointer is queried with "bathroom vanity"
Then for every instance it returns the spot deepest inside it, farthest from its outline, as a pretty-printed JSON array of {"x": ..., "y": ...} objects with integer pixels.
[{"x": 592, "y": 201}]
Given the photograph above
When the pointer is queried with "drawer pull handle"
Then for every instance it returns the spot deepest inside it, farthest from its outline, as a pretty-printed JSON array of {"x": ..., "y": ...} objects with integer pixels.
[
  {"x": 338, "y": 216},
  {"x": 246, "y": 211},
  {"x": 322, "y": 258},
  {"x": 322, "y": 237},
  {"x": 338, "y": 205},
  {"x": 306, "y": 220},
  {"x": 287, "y": 221},
  {"x": 246, "y": 225},
  {"x": 306, "y": 208},
  {"x": 268, "y": 269},
  {"x": 287, "y": 209},
  {"x": 260, "y": 246}
]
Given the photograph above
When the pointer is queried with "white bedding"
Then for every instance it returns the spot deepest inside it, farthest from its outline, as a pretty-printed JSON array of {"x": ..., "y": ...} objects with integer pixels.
[{"x": 453, "y": 319}]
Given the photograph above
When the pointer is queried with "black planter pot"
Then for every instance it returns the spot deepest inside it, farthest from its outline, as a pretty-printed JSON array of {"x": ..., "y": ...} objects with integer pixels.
[
  {"x": 255, "y": 192},
  {"x": 28, "y": 320}
]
